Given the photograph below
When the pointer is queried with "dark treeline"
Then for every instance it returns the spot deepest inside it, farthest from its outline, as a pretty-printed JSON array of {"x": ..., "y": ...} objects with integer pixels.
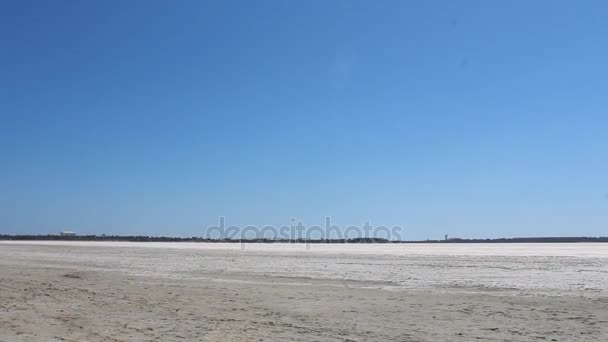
[
  {"x": 526, "y": 240},
  {"x": 143, "y": 238}
]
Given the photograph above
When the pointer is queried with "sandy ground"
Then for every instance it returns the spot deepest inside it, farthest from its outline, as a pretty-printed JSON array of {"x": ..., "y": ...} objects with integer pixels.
[{"x": 100, "y": 293}]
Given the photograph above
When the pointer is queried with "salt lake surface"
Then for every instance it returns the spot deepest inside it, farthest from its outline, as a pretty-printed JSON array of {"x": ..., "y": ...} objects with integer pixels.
[{"x": 577, "y": 269}]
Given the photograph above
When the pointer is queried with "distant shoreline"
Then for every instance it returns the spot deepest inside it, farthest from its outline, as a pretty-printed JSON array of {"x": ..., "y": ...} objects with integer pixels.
[{"x": 142, "y": 238}]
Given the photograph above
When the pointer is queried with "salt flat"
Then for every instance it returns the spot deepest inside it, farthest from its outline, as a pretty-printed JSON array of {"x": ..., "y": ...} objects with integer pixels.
[{"x": 122, "y": 291}]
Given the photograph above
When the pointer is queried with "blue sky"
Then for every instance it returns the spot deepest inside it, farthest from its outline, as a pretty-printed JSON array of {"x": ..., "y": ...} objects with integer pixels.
[{"x": 468, "y": 118}]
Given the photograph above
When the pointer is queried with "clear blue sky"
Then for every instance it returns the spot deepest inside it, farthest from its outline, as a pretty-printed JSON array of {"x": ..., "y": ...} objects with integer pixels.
[{"x": 468, "y": 118}]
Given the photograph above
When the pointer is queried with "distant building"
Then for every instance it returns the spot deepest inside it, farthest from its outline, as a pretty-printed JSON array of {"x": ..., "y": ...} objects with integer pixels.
[{"x": 67, "y": 233}]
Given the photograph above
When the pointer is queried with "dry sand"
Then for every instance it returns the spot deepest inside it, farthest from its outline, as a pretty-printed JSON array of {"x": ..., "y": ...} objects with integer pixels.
[{"x": 169, "y": 292}]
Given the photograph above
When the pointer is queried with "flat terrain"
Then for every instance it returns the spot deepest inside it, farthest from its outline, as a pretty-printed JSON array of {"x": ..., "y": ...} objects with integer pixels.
[{"x": 97, "y": 291}]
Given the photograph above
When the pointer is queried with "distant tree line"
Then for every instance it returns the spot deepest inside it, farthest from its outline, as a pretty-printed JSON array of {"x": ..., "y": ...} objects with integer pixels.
[{"x": 143, "y": 238}]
